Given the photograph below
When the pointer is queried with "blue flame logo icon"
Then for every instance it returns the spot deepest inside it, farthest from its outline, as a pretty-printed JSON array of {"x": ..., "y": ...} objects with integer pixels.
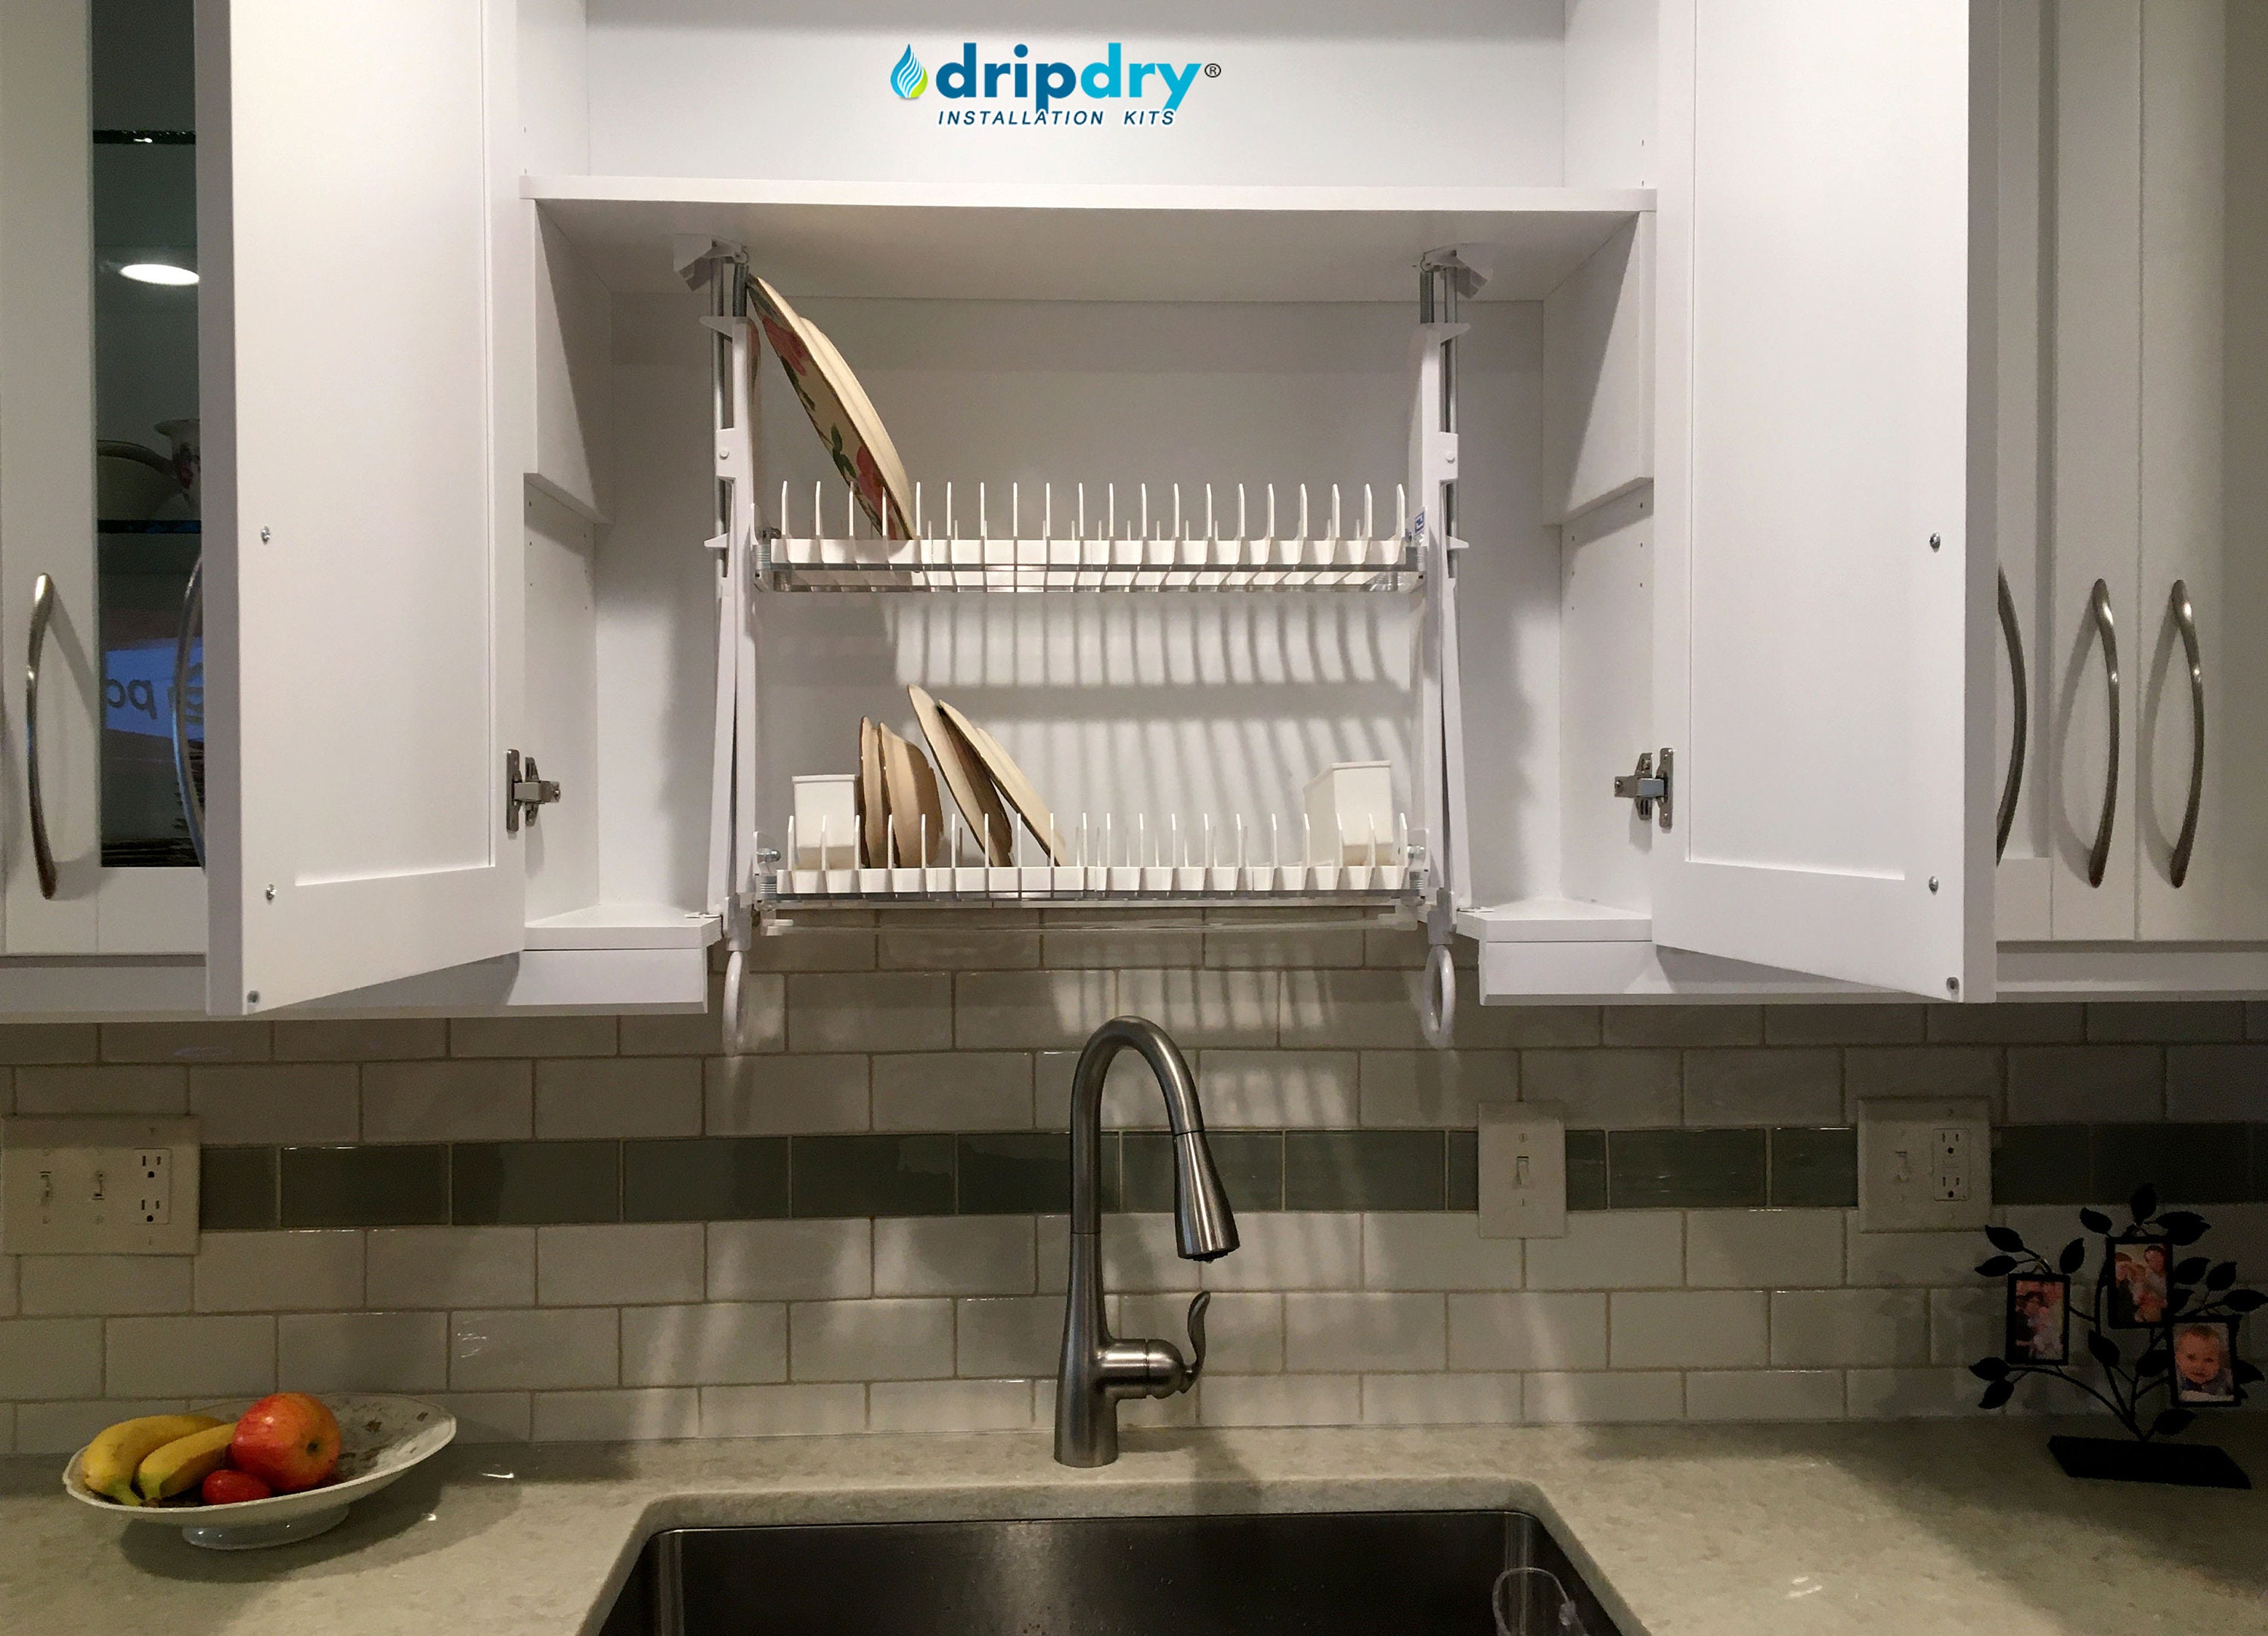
[{"x": 908, "y": 78}]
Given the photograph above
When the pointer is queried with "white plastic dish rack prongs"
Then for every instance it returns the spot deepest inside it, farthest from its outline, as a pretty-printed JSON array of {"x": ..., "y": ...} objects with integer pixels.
[
  {"x": 1114, "y": 860},
  {"x": 1098, "y": 543}
]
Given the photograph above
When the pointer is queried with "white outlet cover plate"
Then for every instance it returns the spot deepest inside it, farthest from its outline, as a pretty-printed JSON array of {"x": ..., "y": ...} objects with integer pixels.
[
  {"x": 1897, "y": 1141},
  {"x": 1523, "y": 1170},
  {"x": 47, "y": 1184}
]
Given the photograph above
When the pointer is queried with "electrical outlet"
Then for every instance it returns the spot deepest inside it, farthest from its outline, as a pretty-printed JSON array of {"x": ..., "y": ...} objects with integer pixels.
[
  {"x": 1523, "y": 1170},
  {"x": 1924, "y": 1165},
  {"x": 86, "y": 1187}
]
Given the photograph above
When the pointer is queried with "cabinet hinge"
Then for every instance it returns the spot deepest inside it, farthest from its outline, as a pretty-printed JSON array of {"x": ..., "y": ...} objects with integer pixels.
[
  {"x": 1648, "y": 787},
  {"x": 525, "y": 792}
]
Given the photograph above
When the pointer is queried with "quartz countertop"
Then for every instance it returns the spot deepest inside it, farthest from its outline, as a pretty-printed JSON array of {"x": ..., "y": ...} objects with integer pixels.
[{"x": 1940, "y": 1528}]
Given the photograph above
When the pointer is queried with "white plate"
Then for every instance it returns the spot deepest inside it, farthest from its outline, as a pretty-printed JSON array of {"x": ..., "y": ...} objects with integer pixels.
[{"x": 380, "y": 1439}]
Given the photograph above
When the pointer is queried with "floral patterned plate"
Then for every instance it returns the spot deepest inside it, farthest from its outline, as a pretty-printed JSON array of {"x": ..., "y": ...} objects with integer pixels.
[{"x": 840, "y": 413}]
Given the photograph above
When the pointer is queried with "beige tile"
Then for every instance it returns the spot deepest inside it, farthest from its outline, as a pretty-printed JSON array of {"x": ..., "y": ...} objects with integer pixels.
[
  {"x": 2208, "y": 1082},
  {"x": 1031, "y": 1010},
  {"x": 488, "y": 1416},
  {"x": 869, "y": 1340},
  {"x": 1430, "y": 1089},
  {"x": 1130, "y": 1098},
  {"x": 534, "y": 1348},
  {"x": 532, "y": 1036},
  {"x": 51, "y": 1358},
  {"x": 2166, "y": 1020},
  {"x": 1785, "y": 1085},
  {"x": 1763, "y": 1395},
  {"x": 221, "y": 1041},
  {"x": 955, "y": 1256},
  {"x": 1278, "y": 939},
  {"x": 1169, "y": 937},
  {"x": 1437, "y": 1251},
  {"x": 1681, "y": 1024},
  {"x": 714, "y": 1344},
  {"x": 1276, "y": 1089},
  {"x": 451, "y": 1266},
  {"x": 1864, "y": 1023},
  {"x": 1966, "y": 1324},
  {"x": 882, "y": 1011},
  {"x": 2060, "y": 1084},
  {"x": 1296, "y": 1249},
  {"x": 1512, "y": 1028},
  {"x": 447, "y": 1101},
  {"x": 949, "y": 1406},
  {"x": 1280, "y": 1400},
  {"x": 83, "y": 1286},
  {"x": 1440, "y": 1399},
  {"x": 1929, "y": 1071},
  {"x": 782, "y": 1411},
  {"x": 289, "y": 1272},
  {"x": 1349, "y": 1010},
  {"x": 22, "y": 1042},
  {"x": 196, "y": 1357},
  {"x": 2010, "y": 1023},
  {"x": 65, "y": 1428},
  {"x": 1763, "y": 1249},
  {"x": 1617, "y": 1090},
  {"x": 1528, "y": 1331},
  {"x": 701, "y": 1033},
  {"x": 1139, "y": 1254},
  {"x": 958, "y": 949},
  {"x": 626, "y": 1265},
  {"x": 1202, "y": 1008},
  {"x": 1602, "y": 1399},
  {"x": 1841, "y": 1328},
  {"x": 1911, "y": 1394},
  {"x": 785, "y": 1096},
  {"x": 618, "y": 1416},
  {"x": 791, "y": 1260},
  {"x": 815, "y": 948},
  {"x": 363, "y": 1352},
  {"x": 614, "y": 1097},
  {"x": 1611, "y": 1250},
  {"x": 1344, "y": 1333},
  {"x": 1012, "y": 1334},
  {"x": 8, "y": 1298},
  {"x": 299, "y": 1104},
  {"x": 1874, "y": 1259},
  {"x": 1687, "y": 1329},
  {"x": 361, "y": 1039},
  {"x": 952, "y": 1091},
  {"x": 151, "y": 1089},
  {"x": 1244, "y": 1334}
]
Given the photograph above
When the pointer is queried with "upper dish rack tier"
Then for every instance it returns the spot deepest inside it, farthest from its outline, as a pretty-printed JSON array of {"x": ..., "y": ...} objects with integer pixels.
[{"x": 1335, "y": 551}]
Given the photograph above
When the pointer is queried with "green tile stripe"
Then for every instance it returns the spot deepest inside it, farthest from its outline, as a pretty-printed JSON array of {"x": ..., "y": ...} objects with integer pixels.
[{"x": 1028, "y": 1172}]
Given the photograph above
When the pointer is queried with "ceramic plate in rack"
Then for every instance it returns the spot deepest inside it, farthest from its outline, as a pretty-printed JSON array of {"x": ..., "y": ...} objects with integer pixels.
[
  {"x": 916, "y": 815},
  {"x": 965, "y": 775},
  {"x": 840, "y": 413},
  {"x": 1013, "y": 784},
  {"x": 873, "y": 797}
]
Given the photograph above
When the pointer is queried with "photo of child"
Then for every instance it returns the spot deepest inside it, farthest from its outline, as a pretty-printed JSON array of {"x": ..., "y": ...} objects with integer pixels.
[
  {"x": 2205, "y": 1363},
  {"x": 2138, "y": 1270},
  {"x": 2039, "y": 1319}
]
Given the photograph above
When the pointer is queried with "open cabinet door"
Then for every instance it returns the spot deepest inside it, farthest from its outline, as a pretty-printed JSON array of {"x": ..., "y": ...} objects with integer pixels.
[
  {"x": 1824, "y": 592},
  {"x": 362, "y": 482}
]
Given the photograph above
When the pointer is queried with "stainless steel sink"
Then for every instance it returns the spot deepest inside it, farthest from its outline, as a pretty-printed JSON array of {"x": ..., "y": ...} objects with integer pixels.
[{"x": 1380, "y": 1573}]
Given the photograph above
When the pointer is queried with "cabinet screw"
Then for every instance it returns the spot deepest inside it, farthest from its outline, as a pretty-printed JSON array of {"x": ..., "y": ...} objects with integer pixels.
[
  {"x": 1953, "y": 986},
  {"x": 251, "y": 997},
  {"x": 271, "y": 891},
  {"x": 1933, "y": 883},
  {"x": 263, "y": 536},
  {"x": 1935, "y": 543}
]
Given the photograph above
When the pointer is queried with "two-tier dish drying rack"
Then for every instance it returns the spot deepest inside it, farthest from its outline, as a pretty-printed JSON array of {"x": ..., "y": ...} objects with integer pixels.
[{"x": 1098, "y": 541}]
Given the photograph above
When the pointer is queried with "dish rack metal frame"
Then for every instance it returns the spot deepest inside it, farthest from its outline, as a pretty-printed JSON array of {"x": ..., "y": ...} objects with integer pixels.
[{"x": 750, "y": 883}]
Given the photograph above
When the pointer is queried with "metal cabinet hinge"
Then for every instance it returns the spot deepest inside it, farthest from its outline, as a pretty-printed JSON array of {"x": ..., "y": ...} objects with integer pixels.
[
  {"x": 525, "y": 792},
  {"x": 1648, "y": 788}
]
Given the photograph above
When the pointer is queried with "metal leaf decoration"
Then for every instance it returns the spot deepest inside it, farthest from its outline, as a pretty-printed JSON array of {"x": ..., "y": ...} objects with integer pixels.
[
  {"x": 2191, "y": 1269},
  {"x": 1997, "y": 1394},
  {"x": 2171, "y": 1421},
  {"x": 2074, "y": 1256},
  {"x": 2143, "y": 1205},
  {"x": 1990, "y": 1368},
  {"x": 2245, "y": 1301},
  {"x": 2184, "y": 1226},
  {"x": 2005, "y": 1238},
  {"x": 1996, "y": 1266},
  {"x": 2221, "y": 1276},
  {"x": 2095, "y": 1221},
  {"x": 2103, "y": 1349}
]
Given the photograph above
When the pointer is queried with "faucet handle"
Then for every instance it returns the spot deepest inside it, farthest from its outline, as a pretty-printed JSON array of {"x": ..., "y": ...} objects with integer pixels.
[{"x": 1197, "y": 1338}]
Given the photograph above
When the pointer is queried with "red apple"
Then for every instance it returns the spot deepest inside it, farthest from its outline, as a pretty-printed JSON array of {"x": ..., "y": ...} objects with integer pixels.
[
  {"x": 226, "y": 1487},
  {"x": 290, "y": 1441}
]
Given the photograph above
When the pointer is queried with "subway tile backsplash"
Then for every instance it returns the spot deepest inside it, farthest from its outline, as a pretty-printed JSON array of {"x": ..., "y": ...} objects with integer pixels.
[{"x": 576, "y": 1228}]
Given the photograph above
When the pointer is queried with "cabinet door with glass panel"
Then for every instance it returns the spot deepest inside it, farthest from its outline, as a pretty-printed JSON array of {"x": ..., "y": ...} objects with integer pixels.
[{"x": 99, "y": 488}]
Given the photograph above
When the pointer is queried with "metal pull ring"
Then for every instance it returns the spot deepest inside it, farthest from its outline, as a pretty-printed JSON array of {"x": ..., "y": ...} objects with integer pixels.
[
  {"x": 193, "y": 803},
  {"x": 43, "y": 610},
  {"x": 1437, "y": 1005},
  {"x": 2098, "y": 860},
  {"x": 2012, "y": 784},
  {"x": 2177, "y": 866}
]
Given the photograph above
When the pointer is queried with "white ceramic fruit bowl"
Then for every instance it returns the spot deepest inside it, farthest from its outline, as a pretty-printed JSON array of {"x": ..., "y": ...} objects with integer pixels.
[{"x": 380, "y": 1439}]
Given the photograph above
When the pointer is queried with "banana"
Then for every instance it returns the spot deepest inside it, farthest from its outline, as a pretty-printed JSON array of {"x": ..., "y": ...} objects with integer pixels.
[
  {"x": 177, "y": 1467},
  {"x": 117, "y": 1452}
]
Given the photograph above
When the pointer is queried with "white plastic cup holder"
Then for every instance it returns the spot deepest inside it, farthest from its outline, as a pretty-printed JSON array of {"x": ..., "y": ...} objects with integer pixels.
[
  {"x": 1122, "y": 880},
  {"x": 1157, "y": 880},
  {"x": 908, "y": 883},
  {"x": 873, "y": 882},
  {"x": 1323, "y": 877},
  {"x": 1223, "y": 877}
]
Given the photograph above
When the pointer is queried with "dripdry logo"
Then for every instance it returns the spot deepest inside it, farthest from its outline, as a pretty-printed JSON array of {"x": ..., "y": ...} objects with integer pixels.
[{"x": 1158, "y": 87}]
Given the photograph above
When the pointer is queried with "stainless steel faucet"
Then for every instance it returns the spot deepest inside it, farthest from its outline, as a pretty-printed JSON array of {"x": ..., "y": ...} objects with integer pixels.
[{"x": 1099, "y": 1372}]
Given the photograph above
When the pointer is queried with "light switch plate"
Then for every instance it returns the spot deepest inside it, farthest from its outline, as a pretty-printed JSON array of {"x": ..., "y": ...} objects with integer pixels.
[
  {"x": 1523, "y": 1170},
  {"x": 1923, "y": 1165},
  {"x": 99, "y": 1187}
]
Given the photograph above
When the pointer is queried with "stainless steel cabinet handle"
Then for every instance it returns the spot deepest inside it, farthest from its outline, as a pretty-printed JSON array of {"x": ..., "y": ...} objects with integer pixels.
[
  {"x": 193, "y": 804},
  {"x": 2185, "y": 621},
  {"x": 2099, "y": 859},
  {"x": 2014, "y": 782},
  {"x": 44, "y": 610}
]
